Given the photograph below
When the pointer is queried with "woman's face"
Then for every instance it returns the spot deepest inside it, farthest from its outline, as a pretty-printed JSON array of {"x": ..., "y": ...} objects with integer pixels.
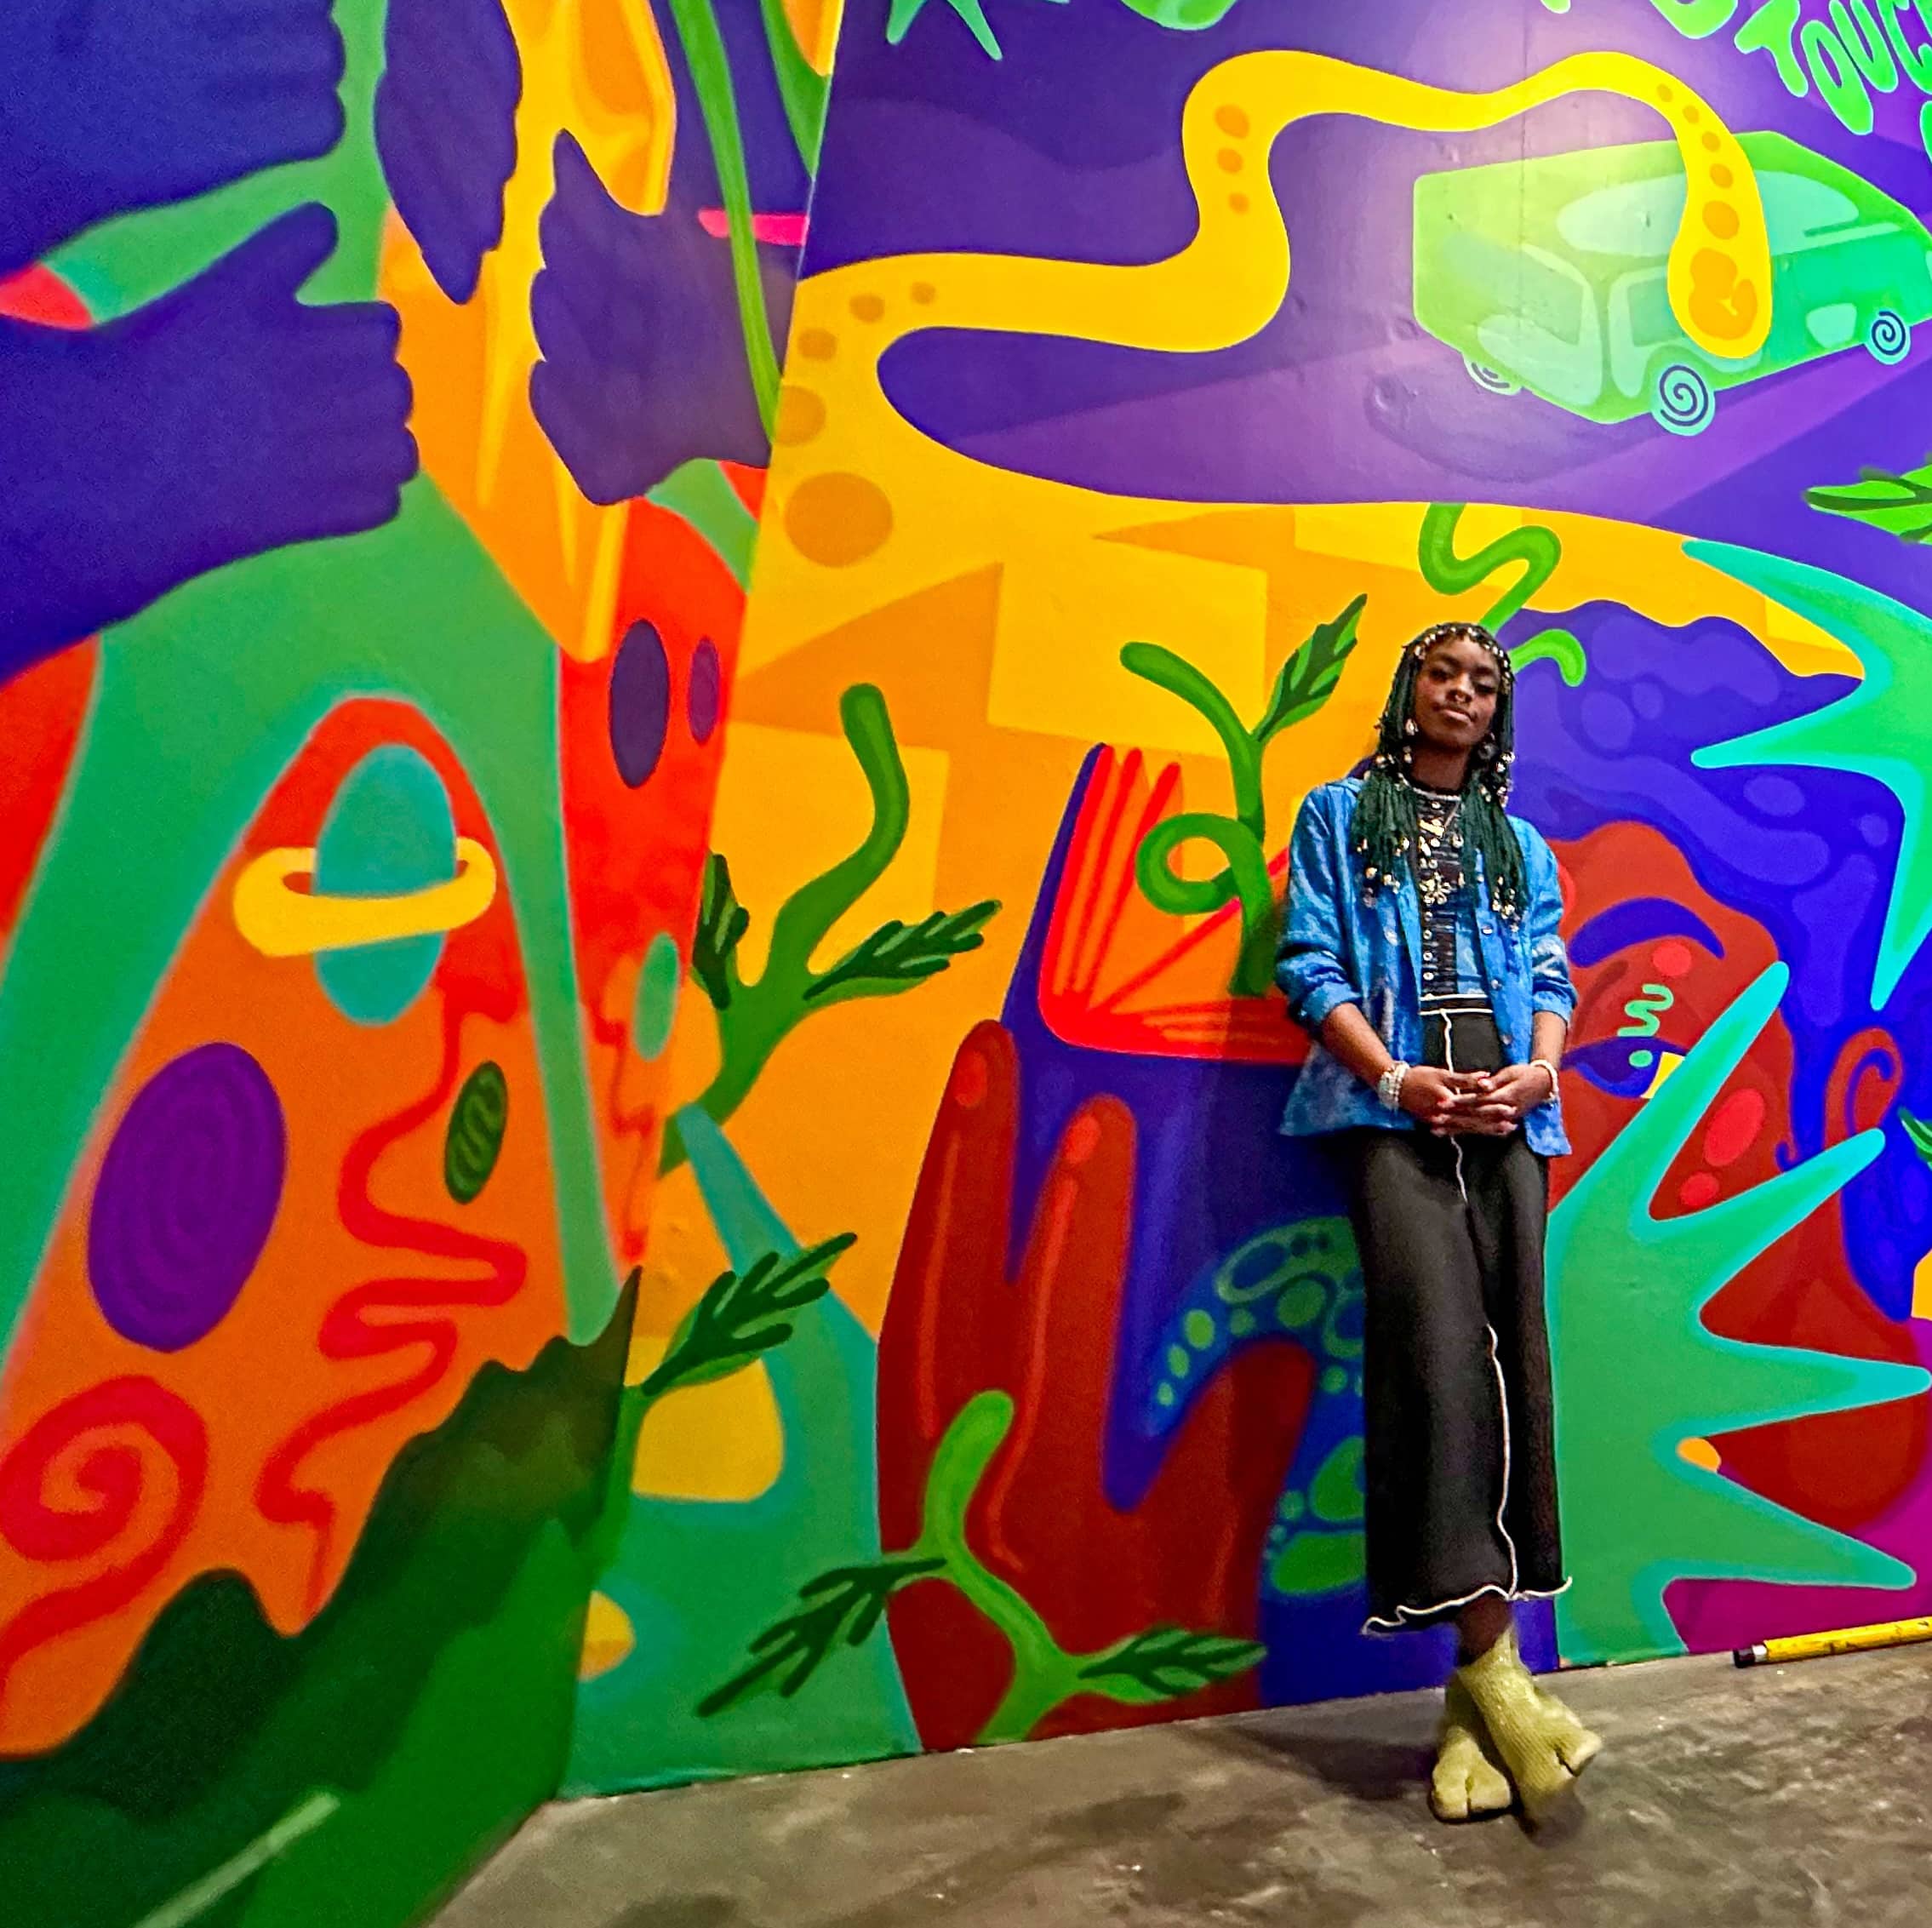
[{"x": 1456, "y": 695}]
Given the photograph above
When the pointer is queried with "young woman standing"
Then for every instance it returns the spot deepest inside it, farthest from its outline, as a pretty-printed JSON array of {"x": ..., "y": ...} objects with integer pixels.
[{"x": 1421, "y": 953}]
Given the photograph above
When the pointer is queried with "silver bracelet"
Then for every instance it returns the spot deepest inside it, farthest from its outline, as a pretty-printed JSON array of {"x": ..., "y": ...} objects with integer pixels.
[
  {"x": 1544, "y": 1064},
  {"x": 1388, "y": 1088}
]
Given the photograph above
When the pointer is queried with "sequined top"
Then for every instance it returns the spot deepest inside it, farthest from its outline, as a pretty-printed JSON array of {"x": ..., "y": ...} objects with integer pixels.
[{"x": 1452, "y": 974}]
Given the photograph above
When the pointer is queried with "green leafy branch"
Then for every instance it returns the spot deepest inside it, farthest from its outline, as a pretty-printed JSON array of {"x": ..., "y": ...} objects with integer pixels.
[
  {"x": 1307, "y": 679},
  {"x": 802, "y": 89},
  {"x": 753, "y": 1019},
  {"x": 743, "y": 1315},
  {"x": 740, "y": 1318},
  {"x": 1535, "y": 551},
  {"x": 1919, "y": 1132},
  {"x": 843, "y": 1607},
  {"x": 1900, "y": 504}
]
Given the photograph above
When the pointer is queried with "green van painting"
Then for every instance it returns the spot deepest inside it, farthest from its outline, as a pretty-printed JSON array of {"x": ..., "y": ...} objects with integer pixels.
[{"x": 1548, "y": 275}]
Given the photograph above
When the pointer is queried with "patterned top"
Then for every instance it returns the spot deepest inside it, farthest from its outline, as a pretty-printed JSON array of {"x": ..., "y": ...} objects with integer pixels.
[{"x": 1452, "y": 979}]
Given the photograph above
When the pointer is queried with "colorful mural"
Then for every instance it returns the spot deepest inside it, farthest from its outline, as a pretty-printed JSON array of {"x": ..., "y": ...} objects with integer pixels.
[
  {"x": 652, "y": 702},
  {"x": 383, "y": 399},
  {"x": 1092, "y": 528}
]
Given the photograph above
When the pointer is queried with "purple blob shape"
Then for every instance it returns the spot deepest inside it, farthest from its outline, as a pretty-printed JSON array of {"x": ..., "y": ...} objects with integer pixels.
[
  {"x": 702, "y": 699},
  {"x": 640, "y": 703},
  {"x": 186, "y": 1196}
]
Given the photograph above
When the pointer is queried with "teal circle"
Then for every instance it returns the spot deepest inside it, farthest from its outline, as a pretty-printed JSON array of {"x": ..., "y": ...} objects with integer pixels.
[
  {"x": 1639, "y": 1060},
  {"x": 389, "y": 831},
  {"x": 655, "y": 1010}
]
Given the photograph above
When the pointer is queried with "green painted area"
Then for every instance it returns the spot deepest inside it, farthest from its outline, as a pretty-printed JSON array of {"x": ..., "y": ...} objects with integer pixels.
[
  {"x": 431, "y": 1696},
  {"x": 654, "y": 1013},
  {"x": 1178, "y": 1361},
  {"x": 701, "y": 494},
  {"x": 1301, "y": 1304},
  {"x": 1636, "y": 1371},
  {"x": 1549, "y": 275},
  {"x": 700, "y": 1580},
  {"x": 1877, "y": 730},
  {"x": 1199, "y": 1326},
  {"x": 1319, "y": 1563},
  {"x": 1336, "y": 1491}
]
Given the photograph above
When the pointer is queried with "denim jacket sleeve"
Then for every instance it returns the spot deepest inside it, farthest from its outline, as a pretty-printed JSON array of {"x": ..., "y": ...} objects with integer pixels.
[
  {"x": 1309, "y": 965},
  {"x": 1550, "y": 985}
]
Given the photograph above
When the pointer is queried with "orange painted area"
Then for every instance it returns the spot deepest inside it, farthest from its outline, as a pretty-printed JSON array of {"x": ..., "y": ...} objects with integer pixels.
[{"x": 260, "y": 1447}]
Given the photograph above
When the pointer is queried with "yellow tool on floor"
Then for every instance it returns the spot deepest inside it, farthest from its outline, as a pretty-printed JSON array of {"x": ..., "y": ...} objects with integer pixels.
[{"x": 1847, "y": 1640}]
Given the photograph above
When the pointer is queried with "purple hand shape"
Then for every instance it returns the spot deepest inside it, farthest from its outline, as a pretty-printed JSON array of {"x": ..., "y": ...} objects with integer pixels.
[
  {"x": 643, "y": 366},
  {"x": 225, "y": 418},
  {"x": 107, "y": 106},
  {"x": 446, "y": 129}
]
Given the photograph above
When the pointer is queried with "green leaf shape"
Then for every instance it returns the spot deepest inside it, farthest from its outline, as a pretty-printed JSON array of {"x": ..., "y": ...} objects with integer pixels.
[
  {"x": 1900, "y": 504},
  {"x": 722, "y": 921},
  {"x": 838, "y": 1608},
  {"x": 1165, "y": 1663},
  {"x": 1309, "y": 677},
  {"x": 897, "y": 954},
  {"x": 1919, "y": 1132},
  {"x": 743, "y": 1314}
]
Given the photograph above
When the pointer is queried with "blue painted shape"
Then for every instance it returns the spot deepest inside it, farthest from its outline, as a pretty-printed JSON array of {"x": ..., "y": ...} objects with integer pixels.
[
  {"x": 117, "y": 105},
  {"x": 389, "y": 830},
  {"x": 224, "y": 420},
  {"x": 446, "y": 129}
]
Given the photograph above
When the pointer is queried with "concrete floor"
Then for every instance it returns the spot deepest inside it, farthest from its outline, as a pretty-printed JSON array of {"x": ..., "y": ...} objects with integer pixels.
[{"x": 1723, "y": 1800}]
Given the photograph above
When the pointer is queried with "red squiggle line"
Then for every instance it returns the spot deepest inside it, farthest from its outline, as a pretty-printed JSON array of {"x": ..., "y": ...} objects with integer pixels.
[
  {"x": 352, "y": 1328},
  {"x": 110, "y": 1474},
  {"x": 641, "y": 1119}
]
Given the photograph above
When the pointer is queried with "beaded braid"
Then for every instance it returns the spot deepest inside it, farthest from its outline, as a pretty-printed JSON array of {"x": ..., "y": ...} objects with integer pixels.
[{"x": 1384, "y": 830}]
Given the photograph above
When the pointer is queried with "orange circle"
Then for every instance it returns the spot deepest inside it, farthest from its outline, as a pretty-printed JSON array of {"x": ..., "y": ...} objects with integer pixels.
[
  {"x": 1229, "y": 160},
  {"x": 867, "y": 308},
  {"x": 818, "y": 344},
  {"x": 801, "y": 415},
  {"x": 1239, "y": 202},
  {"x": 1691, "y": 116},
  {"x": 924, "y": 293},
  {"x": 1231, "y": 119},
  {"x": 837, "y": 519},
  {"x": 1667, "y": 93},
  {"x": 1720, "y": 176},
  {"x": 1711, "y": 142},
  {"x": 1721, "y": 218}
]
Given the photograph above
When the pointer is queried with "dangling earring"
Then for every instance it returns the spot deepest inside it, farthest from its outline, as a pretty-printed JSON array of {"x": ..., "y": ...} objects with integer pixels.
[
  {"x": 1486, "y": 751},
  {"x": 1409, "y": 726}
]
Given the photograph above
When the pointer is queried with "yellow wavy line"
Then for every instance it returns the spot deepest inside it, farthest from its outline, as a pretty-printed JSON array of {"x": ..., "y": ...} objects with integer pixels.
[{"x": 283, "y": 923}]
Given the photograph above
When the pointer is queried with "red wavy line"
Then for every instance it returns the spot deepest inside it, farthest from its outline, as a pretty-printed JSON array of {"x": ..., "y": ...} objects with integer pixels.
[
  {"x": 351, "y": 1330},
  {"x": 113, "y": 1475}
]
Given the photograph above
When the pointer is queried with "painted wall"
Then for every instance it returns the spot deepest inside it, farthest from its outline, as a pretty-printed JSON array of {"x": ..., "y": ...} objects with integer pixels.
[
  {"x": 1090, "y": 536},
  {"x": 384, "y": 393}
]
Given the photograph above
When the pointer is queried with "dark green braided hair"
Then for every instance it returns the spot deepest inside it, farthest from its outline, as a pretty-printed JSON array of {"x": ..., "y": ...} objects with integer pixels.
[{"x": 1384, "y": 829}]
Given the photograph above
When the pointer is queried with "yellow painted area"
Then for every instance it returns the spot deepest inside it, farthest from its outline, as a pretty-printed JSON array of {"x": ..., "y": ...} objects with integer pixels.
[
  {"x": 792, "y": 803},
  {"x": 1922, "y": 1289},
  {"x": 721, "y": 1441},
  {"x": 595, "y": 69},
  {"x": 608, "y": 1637},
  {"x": 814, "y": 27},
  {"x": 1699, "y": 1452},
  {"x": 1666, "y": 1064},
  {"x": 283, "y": 922}
]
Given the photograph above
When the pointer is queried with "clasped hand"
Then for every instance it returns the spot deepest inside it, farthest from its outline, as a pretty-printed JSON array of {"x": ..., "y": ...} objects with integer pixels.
[{"x": 1487, "y": 1104}]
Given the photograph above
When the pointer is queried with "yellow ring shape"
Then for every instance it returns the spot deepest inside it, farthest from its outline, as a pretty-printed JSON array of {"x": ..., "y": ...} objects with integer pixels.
[{"x": 281, "y": 922}]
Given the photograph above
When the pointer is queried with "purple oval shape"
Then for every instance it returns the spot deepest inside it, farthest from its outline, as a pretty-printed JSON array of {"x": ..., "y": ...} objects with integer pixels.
[
  {"x": 640, "y": 703},
  {"x": 186, "y": 1197},
  {"x": 703, "y": 699}
]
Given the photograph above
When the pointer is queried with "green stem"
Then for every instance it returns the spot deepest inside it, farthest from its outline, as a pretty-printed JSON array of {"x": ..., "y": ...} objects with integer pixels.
[
  {"x": 1180, "y": 678},
  {"x": 762, "y": 1014},
  {"x": 1535, "y": 548},
  {"x": 710, "y": 76},
  {"x": 1246, "y": 877},
  {"x": 800, "y": 86}
]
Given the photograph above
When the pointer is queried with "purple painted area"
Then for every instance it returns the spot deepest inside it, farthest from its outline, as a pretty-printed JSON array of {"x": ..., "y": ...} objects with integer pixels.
[
  {"x": 706, "y": 695},
  {"x": 640, "y": 703},
  {"x": 186, "y": 1197}
]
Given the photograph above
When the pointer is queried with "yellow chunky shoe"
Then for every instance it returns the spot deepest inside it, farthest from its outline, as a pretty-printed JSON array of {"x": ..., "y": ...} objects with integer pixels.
[
  {"x": 1542, "y": 1744},
  {"x": 1468, "y": 1781}
]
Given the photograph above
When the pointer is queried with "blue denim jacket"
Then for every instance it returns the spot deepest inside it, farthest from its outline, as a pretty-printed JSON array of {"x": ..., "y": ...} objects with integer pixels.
[{"x": 1340, "y": 947}]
